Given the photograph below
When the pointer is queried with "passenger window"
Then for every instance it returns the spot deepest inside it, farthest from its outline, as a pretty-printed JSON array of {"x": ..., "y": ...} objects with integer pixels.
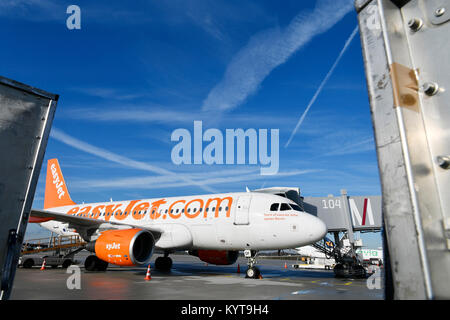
[
  {"x": 274, "y": 207},
  {"x": 284, "y": 207}
]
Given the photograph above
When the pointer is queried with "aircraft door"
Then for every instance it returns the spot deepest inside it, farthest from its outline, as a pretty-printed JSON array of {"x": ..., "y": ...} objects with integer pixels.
[{"x": 242, "y": 210}]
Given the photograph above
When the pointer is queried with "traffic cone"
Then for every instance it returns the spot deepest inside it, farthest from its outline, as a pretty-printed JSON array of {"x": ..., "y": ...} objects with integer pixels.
[
  {"x": 148, "y": 276},
  {"x": 238, "y": 269},
  {"x": 43, "y": 265},
  {"x": 260, "y": 276},
  {"x": 285, "y": 265}
]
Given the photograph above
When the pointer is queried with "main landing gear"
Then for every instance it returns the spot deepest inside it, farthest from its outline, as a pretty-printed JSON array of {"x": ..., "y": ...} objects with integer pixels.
[
  {"x": 163, "y": 264},
  {"x": 252, "y": 271},
  {"x": 92, "y": 263}
]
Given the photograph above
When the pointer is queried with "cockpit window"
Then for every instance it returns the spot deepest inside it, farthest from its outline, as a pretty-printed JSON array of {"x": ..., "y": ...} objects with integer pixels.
[
  {"x": 274, "y": 207},
  {"x": 296, "y": 207},
  {"x": 284, "y": 207}
]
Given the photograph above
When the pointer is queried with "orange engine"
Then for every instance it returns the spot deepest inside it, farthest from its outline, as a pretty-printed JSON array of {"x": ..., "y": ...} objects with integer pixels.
[
  {"x": 219, "y": 257},
  {"x": 128, "y": 247}
]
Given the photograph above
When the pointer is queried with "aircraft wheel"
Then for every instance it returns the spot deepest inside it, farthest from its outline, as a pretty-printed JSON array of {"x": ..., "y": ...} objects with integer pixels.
[
  {"x": 28, "y": 263},
  {"x": 163, "y": 264},
  {"x": 92, "y": 263},
  {"x": 66, "y": 263},
  {"x": 252, "y": 273}
]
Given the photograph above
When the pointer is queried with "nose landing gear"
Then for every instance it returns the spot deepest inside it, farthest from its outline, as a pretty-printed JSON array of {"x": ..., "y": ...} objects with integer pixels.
[{"x": 252, "y": 271}]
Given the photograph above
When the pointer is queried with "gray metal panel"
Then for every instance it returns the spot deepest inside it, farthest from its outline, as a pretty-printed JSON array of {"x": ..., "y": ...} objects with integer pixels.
[
  {"x": 411, "y": 131},
  {"x": 429, "y": 50},
  {"x": 397, "y": 207},
  {"x": 26, "y": 115}
]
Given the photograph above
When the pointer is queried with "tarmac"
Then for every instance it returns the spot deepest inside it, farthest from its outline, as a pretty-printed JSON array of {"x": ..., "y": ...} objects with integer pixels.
[{"x": 192, "y": 279}]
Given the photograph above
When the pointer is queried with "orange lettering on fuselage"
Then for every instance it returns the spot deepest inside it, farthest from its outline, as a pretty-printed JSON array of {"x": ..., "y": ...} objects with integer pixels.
[
  {"x": 85, "y": 211},
  {"x": 139, "y": 210},
  {"x": 175, "y": 216},
  {"x": 187, "y": 211},
  {"x": 97, "y": 211},
  {"x": 154, "y": 211},
  {"x": 218, "y": 203}
]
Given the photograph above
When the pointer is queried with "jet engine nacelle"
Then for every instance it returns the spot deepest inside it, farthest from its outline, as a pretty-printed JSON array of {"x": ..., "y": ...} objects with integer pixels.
[
  {"x": 219, "y": 257},
  {"x": 127, "y": 247}
]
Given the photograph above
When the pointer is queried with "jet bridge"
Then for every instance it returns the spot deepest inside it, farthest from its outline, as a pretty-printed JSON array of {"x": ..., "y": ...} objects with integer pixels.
[
  {"x": 343, "y": 215},
  {"x": 405, "y": 45},
  {"x": 26, "y": 115}
]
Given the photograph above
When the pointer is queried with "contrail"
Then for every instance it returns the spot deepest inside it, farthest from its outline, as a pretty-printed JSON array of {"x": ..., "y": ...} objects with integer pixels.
[
  {"x": 324, "y": 81},
  {"x": 105, "y": 154},
  {"x": 270, "y": 48}
]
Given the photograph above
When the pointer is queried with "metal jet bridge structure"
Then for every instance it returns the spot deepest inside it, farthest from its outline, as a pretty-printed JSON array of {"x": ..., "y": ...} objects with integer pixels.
[
  {"x": 26, "y": 116},
  {"x": 342, "y": 214}
]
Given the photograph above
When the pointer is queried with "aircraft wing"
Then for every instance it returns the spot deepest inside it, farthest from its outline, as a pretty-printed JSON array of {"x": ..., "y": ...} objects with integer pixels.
[{"x": 84, "y": 222}]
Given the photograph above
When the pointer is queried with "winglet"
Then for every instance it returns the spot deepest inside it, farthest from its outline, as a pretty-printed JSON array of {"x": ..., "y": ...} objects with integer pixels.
[{"x": 56, "y": 192}]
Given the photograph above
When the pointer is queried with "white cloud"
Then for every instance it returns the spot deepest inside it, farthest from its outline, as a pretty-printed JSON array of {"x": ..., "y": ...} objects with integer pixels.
[
  {"x": 127, "y": 162},
  {"x": 322, "y": 84},
  {"x": 217, "y": 178},
  {"x": 269, "y": 49},
  {"x": 159, "y": 114}
]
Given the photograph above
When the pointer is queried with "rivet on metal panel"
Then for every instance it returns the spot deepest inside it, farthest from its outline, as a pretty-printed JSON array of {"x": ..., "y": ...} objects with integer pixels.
[
  {"x": 439, "y": 12},
  {"x": 415, "y": 24},
  {"x": 443, "y": 161},
  {"x": 430, "y": 88}
]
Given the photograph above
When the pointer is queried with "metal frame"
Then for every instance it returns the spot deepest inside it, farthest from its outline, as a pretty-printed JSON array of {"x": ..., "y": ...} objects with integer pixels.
[
  {"x": 405, "y": 49},
  {"x": 34, "y": 126}
]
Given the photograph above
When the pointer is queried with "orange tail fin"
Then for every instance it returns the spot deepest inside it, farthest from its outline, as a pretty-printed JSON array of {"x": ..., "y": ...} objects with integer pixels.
[{"x": 56, "y": 193}]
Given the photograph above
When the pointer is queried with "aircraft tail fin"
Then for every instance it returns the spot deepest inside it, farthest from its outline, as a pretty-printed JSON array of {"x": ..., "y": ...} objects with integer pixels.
[{"x": 56, "y": 192}]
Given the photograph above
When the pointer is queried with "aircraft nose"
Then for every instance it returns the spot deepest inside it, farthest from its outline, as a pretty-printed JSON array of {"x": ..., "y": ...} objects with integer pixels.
[{"x": 317, "y": 229}]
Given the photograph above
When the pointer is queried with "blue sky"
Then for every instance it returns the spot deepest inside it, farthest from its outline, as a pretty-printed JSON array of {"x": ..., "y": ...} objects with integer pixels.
[{"x": 136, "y": 71}]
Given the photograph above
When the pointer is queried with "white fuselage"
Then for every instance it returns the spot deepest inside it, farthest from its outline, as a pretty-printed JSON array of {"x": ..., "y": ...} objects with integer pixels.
[{"x": 230, "y": 221}]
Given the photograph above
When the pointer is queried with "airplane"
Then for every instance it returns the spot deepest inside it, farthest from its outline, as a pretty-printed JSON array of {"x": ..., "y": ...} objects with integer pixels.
[
  {"x": 313, "y": 252},
  {"x": 310, "y": 252},
  {"x": 213, "y": 227}
]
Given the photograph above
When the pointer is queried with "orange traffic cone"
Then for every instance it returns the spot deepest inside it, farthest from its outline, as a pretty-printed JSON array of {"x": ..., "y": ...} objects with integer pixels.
[
  {"x": 285, "y": 265},
  {"x": 43, "y": 265},
  {"x": 238, "y": 269},
  {"x": 148, "y": 276},
  {"x": 260, "y": 276}
]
